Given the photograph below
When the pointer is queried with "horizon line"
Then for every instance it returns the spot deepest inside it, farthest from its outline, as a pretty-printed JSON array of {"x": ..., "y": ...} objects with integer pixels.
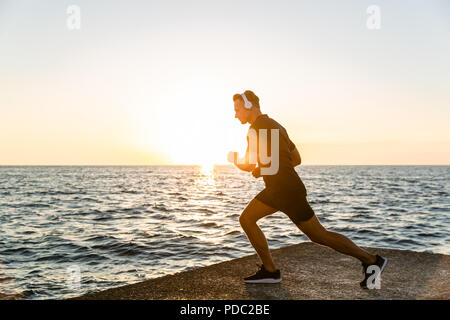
[{"x": 194, "y": 165}]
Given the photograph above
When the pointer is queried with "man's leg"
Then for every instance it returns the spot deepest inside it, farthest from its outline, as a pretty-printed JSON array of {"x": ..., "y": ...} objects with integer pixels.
[
  {"x": 254, "y": 211},
  {"x": 314, "y": 230}
]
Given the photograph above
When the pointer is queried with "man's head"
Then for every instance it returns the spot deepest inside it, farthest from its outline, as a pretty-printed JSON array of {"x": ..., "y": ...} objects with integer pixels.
[{"x": 241, "y": 112}]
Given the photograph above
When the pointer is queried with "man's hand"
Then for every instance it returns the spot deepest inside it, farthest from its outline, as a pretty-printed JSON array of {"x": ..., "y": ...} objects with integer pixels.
[{"x": 256, "y": 172}]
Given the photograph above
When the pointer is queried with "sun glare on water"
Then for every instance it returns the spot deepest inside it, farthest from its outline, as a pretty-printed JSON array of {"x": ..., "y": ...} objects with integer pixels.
[{"x": 207, "y": 168}]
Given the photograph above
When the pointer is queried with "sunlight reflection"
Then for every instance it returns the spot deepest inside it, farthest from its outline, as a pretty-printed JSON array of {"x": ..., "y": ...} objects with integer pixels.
[
  {"x": 206, "y": 181},
  {"x": 207, "y": 168}
]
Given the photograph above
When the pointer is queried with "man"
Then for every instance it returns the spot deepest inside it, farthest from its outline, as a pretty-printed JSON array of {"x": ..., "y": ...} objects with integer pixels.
[{"x": 285, "y": 192}]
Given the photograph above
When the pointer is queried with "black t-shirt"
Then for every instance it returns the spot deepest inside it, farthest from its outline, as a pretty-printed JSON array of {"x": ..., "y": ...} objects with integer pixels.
[{"x": 286, "y": 177}]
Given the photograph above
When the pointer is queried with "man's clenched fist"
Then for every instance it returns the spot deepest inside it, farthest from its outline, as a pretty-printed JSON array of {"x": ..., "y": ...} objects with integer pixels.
[{"x": 256, "y": 172}]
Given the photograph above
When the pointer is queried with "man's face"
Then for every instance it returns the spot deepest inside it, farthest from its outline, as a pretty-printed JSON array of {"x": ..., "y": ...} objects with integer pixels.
[{"x": 240, "y": 111}]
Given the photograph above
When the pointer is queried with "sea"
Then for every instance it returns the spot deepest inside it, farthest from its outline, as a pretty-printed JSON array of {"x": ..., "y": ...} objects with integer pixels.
[{"x": 70, "y": 230}]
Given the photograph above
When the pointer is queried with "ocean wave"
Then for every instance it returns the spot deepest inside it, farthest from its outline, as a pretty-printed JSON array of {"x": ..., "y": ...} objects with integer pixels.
[
  {"x": 90, "y": 257},
  {"x": 24, "y": 251},
  {"x": 103, "y": 217},
  {"x": 161, "y": 207},
  {"x": 88, "y": 199},
  {"x": 120, "y": 248},
  {"x": 54, "y": 193},
  {"x": 26, "y": 205},
  {"x": 4, "y": 279},
  {"x": 233, "y": 232},
  {"x": 100, "y": 238},
  {"x": 205, "y": 210},
  {"x": 130, "y": 191},
  {"x": 54, "y": 257},
  {"x": 407, "y": 242},
  {"x": 12, "y": 296},
  {"x": 208, "y": 224}
]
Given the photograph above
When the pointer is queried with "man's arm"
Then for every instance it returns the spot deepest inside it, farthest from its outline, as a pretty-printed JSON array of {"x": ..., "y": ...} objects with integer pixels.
[
  {"x": 246, "y": 167},
  {"x": 295, "y": 156}
]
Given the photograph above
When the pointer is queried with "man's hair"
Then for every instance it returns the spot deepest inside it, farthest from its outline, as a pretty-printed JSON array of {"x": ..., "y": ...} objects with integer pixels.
[{"x": 253, "y": 98}]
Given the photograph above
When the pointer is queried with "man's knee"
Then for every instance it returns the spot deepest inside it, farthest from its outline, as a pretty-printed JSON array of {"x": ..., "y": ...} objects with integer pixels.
[{"x": 245, "y": 220}]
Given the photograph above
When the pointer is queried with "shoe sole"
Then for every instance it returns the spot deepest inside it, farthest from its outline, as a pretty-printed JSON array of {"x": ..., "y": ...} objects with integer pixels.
[{"x": 267, "y": 280}]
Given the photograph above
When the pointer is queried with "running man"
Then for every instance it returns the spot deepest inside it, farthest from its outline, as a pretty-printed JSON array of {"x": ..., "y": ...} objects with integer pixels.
[{"x": 285, "y": 192}]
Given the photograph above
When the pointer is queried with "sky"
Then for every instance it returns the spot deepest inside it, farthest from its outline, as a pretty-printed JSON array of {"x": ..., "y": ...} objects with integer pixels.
[{"x": 151, "y": 82}]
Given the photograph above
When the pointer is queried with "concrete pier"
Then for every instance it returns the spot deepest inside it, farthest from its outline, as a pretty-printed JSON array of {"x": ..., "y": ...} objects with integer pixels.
[{"x": 309, "y": 271}]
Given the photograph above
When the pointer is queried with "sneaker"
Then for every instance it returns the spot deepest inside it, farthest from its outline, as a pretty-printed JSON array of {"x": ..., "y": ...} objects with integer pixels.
[
  {"x": 264, "y": 276},
  {"x": 381, "y": 263}
]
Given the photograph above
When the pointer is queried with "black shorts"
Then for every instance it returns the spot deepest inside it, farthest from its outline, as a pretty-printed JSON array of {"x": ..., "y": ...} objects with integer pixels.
[{"x": 292, "y": 202}]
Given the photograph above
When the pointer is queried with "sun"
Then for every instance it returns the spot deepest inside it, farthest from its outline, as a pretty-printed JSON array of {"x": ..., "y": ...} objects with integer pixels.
[{"x": 193, "y": 123}]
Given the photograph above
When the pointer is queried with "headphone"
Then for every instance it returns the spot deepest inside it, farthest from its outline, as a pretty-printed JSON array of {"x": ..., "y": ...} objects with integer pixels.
[{"x": 248, "y": 104}]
